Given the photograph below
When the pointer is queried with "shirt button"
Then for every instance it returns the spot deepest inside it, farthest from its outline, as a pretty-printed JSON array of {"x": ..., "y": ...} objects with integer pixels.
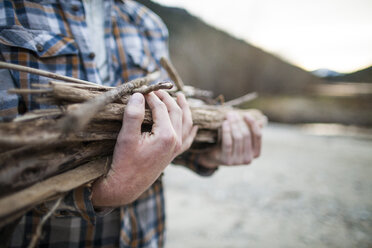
[
  {"x": 92, "y": 55},
  {"x": 39, "y": 47},
  {"x": 74, "y": 8}
]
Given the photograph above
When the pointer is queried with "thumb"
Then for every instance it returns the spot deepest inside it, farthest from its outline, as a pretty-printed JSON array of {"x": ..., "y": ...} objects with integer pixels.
[{"x": 133, "y": 115}]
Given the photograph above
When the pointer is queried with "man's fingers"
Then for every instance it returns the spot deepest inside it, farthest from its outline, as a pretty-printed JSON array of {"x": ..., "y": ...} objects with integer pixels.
[
  {"x": 256, "y": 134},
  {"x": 189, "y": 139},
  {"x": 160, "y": 114},
  {"x": 175, "y": 112},
  {"x": 247, "y": 155},
  {"x": 227, "y": 143},
  {"x": 237, "y": 136},
  {"x": 187, "y": 123},
  {"x": 133, "y": 116}
]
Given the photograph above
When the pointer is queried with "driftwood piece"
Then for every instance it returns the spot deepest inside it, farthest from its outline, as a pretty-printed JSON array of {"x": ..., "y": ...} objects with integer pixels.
[
  {"x": 45, "y": 131},
  {"x": 172, "y": 72},
  {"x": 27, "y": 165},
  {"x": 12, "y": 205}
]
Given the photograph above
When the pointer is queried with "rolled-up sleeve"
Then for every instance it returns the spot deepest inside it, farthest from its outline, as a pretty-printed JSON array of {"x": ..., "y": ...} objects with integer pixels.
[
  {"x": 78, "y": 203},
  {"x": 190, "y": 160}
]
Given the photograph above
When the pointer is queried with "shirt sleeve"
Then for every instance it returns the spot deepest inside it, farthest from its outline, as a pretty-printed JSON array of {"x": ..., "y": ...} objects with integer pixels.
[
  {"x": 190, "y": 161},
  {"x": 78, "y": 203}
]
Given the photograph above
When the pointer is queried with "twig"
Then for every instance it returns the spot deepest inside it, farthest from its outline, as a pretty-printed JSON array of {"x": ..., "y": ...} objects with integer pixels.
[
  {"x": 43, "y": 73},
  {"x": 36, "y": 114},
  {"x": 145, "y": 89},
  {"x": 37, "y": 234},
  {"x": 240, "y": 100},
  {"x": 172, "y": 72},
  {"x": 29, "y": 91},
  {"x": 82, "y": 86},
  {"x": 78, "y": 118}
]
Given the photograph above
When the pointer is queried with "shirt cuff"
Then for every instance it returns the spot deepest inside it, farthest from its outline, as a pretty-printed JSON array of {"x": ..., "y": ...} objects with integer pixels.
[
  {"x": 77, "y": 203},
  {"x": 190, "y": 160}
]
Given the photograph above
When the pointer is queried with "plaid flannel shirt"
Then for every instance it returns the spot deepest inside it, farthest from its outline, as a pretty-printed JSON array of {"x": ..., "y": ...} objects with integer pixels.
[{"x": 52, "y": 35}]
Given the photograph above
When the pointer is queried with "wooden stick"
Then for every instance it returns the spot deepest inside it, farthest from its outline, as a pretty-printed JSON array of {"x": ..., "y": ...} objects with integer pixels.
[
  {"x": 37, "y": 234},
  {"x": 25, "y": 166},
  {"x": 29, "y": 91},
  {"x": 43, "y": 73},
  {"x": 145, "y": 89},
  {"x": 82, "y": 86},
  {"x": 172, "y": 72},
  {"x": 72, "y": 94},
  {"x": 42, "y": 131},
  {"x": 53, "y": 186},
  {"x": 243, "y": 99}
]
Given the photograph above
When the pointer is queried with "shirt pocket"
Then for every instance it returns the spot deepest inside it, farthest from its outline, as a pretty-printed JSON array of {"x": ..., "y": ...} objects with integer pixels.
[
  {"x": 39, "y": 49},
  {"x": 43, "y": 44}
]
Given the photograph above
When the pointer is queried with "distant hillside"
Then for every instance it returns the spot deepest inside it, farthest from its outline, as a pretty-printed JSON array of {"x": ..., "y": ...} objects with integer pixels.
[
  {"x": 211, "y": 59},
  {"x": 364, "y": 75}
]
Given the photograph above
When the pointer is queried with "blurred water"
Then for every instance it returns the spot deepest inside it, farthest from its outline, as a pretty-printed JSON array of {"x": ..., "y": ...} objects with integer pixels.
[{"x": 305, "y": 191}]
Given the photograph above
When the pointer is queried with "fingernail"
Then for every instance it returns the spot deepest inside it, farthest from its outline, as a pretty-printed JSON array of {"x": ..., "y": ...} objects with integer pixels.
[{"x": 136, "y": 98}]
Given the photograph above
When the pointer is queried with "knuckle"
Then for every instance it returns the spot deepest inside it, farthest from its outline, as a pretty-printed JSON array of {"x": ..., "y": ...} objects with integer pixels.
[
  {"x": 169, "y": 139},
  {"x": 228, "y": 145},
  {"x": 238, "y": 138},
  {"x": 246, "y": 134},
  {"x": 160, "y": 105},
  {"x": 133, "y": 113},
  {"x": 248, "y": 117},
  {"x": 123, "y": 141}
]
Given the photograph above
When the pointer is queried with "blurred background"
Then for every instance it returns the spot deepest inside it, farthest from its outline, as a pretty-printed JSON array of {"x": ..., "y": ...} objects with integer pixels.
[{"x": 311, "y": 64}]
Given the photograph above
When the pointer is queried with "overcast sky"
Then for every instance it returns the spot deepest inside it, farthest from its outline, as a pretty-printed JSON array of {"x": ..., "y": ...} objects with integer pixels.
[{"x": 313, "y": 34}]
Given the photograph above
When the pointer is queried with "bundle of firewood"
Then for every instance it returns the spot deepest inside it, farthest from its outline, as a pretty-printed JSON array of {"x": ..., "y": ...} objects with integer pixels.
[{"x": 45, "y": 153}]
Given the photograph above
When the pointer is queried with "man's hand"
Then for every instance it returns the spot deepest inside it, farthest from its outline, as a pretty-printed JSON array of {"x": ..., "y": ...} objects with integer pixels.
[
  {"x": 241, "y": 142},
  {"x": 139, "y": 158}
]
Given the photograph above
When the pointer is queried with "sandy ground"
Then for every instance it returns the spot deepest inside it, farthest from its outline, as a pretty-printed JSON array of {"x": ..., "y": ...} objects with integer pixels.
[{"x": 305, "y": 191}]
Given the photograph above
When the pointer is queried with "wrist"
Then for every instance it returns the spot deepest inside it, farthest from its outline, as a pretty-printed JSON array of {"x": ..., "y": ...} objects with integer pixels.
[{"x": 110, "y": 192}]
